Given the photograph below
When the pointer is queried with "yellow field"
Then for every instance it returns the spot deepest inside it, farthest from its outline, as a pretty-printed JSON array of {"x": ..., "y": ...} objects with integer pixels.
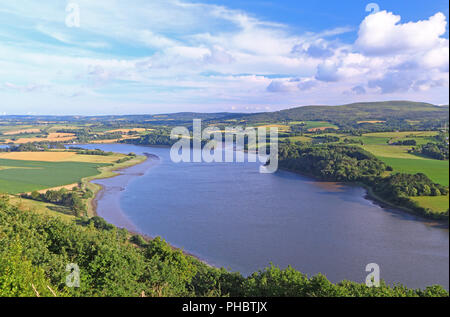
[
  {"x": 37, "y": 156},
  {"x": 94, "y": 158},
  {"x": 401, "y": 134},
  {"x": 128, "y": 130},
  {"x": 22, "y": 131},
  {"x": 372, "y": 121},
  {"x": 52, "y": 137},
  {"x": 320, "y": 129},
  {"x": 60, "y": 156}
]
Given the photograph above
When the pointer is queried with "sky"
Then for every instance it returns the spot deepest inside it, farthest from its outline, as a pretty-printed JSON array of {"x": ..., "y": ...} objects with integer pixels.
[{"x": 94, "y": 57}]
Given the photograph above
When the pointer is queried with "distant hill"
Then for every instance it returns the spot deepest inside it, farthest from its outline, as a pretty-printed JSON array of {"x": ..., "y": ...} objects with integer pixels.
[
  {"x": 395, "y": 113},
  {"x": 356, "y": 112}
]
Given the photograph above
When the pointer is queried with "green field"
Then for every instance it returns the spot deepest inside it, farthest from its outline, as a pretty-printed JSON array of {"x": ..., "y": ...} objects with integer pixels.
[
  {"x": 402, "y": 161},
  {"x": 437, "y": 204},
  {"x": 18, "y": 176},
  {"x": 436, "y": 170},
  {"x": 319, "y": 124}
]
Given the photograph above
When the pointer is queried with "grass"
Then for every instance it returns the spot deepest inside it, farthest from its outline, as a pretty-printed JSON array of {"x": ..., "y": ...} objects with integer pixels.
[
  {"x": 403, "y": 134},
  {"x": 392, "y": 151},
  {"x": 436, "y": 170},
  {"x": 26, "y": 176},
  {"x": 43, "y": 208},
  {"x": 319, "y": 125},
  {"x": 438, "y": 204},
  {"x": 300, "y": 139},
  {"x": 404, "y": 162}
]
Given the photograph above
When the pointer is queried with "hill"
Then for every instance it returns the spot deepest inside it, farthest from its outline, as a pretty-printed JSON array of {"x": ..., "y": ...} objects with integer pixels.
[{"x": 351, "y": 114}]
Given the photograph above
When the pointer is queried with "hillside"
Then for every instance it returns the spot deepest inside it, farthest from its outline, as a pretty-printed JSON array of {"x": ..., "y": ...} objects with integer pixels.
[{"x": 356, "y": 112}]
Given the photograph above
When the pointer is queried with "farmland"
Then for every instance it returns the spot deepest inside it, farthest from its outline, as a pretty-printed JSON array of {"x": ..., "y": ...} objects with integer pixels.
[
  {"x": 438, "y": 204},
  {"x": 26, "y": 176}
]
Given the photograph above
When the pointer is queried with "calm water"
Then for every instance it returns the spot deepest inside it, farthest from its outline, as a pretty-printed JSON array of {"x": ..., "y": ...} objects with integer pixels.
[{"x": 230, "y": 215}]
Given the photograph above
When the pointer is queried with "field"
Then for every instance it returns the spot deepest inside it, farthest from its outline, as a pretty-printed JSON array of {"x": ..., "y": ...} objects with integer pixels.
[
  {"x": 371, "y": 121},
  {"x": 436, "y": 170},
  {"x": 37, "y": 156},
  {"x": 18, "y": 176},
  {"x": 127, "y": 130},
  {"x": 319, "y": 125},
  {"x": 403, "y": 134},
  {"x": 438, "y": 204},
  {"x": 15, "y": 132},
  {"x": 43, "y": 208},
  {"x": 51, "y": 137}
]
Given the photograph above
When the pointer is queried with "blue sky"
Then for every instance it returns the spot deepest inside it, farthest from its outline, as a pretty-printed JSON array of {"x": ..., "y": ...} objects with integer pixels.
[{"x": 163, "y": 56}]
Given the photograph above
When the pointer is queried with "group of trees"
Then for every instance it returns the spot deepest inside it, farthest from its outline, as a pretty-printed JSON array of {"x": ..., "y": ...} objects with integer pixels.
[
  {"x": 405, "y": 142},
  {"x": 153, "y": 139},
  {"x": 72, "y": 199},
  {"x": 130, "y": 156},
  {"x": 33, "y": 147},
  {"x": 91, "y": 152},
  {"x": 408, "y": 185},
  {"x": 330, "y": 162},
  {"x": 325, "y": 139},
  {"x": 35, "y": 251},
  {"x": 438, "y": 151}
]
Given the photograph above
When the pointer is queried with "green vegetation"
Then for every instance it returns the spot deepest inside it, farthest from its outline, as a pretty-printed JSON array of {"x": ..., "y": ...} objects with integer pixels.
[
  {"x": 439, "y": 204},
  {"x": 74, "y": 199},
  {"x": 396, "y": 115},
  {"x": 35, "y": 250},
  {"x": 434, "y": 169},
  {"x": 26, "y": 176}
]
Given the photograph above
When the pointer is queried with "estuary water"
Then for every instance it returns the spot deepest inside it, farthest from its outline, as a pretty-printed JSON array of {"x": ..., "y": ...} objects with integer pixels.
[{"x": 230, "y": 215}]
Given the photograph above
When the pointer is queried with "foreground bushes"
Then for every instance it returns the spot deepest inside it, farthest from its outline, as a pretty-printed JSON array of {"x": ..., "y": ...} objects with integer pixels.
[{"x": 34, "y": 252}]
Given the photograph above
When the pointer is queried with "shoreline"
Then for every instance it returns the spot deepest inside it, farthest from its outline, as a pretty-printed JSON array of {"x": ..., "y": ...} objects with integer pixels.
[
  {"x": 105, "y": 173},
  {"x": 371, "y": 196}
]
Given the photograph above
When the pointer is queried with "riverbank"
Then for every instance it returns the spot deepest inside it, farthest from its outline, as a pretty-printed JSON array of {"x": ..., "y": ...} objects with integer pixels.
[
  {"x": 106, "y": 172},
  {"x": 370, "y": 195}
]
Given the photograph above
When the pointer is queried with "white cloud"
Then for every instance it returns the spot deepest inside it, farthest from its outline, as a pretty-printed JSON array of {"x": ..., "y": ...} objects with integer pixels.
[{"x": 381, "y": 33}]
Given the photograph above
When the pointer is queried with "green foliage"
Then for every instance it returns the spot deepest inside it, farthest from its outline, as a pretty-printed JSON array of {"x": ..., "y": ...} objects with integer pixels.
[
  {"x": 435, "y": 151},
  {"x": 397, "y": 115},
  {"x": 72, "y": 199},
  {"x": 330, "y": 162}
]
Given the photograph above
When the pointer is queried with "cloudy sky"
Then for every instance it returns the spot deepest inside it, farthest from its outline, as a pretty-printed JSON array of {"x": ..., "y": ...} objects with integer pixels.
[{"x": 160, "y": 56}]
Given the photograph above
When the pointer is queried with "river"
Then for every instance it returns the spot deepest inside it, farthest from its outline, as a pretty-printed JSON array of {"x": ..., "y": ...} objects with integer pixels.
[{"x": 230, "y": 215}]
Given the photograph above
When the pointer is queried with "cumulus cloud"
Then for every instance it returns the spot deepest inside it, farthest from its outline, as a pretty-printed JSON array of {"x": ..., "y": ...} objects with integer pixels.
[
  {"x": 359, "y": 90},
  {"x": 307, "y": 84},
  {"x": 382, "y": 34},
  {"x": 327, "y": 71},
  {"x": 282, "y": 86}
]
